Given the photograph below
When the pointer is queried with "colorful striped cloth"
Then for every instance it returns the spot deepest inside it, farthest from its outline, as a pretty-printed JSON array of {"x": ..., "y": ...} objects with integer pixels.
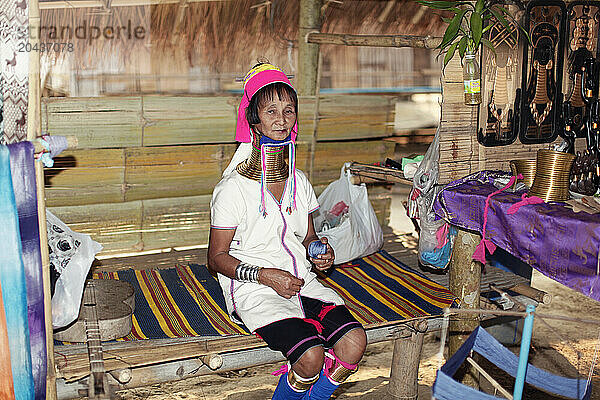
[{"x": 187, "y": 300}]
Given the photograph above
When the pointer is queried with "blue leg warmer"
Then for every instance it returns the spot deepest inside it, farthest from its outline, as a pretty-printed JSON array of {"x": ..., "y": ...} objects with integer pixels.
[
  {"x": 321, "y": 389},
  {"x": 284, "y": 391}
]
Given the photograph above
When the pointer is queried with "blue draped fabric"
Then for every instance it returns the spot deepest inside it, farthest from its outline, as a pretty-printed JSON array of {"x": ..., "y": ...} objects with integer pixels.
[
  {"x": 14, "y": 289},
  {"x": 24, "y": 187},
  {"x": 446, "y": 388}
]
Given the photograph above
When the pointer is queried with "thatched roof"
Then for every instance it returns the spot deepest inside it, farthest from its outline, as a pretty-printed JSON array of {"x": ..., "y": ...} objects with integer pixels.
[{"x": 230, "y": 35}]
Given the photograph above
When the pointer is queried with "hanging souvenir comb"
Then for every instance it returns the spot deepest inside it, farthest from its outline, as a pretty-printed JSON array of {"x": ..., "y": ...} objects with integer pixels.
[{"x": 542, "y": 71}]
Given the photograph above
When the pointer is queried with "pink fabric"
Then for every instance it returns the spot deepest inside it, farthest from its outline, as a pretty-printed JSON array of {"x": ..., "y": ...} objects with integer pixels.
[
  {"x": 325, "y": 310},
  {"x": 524, "y": 201},
  {"x": 479, "y": 253},
  {"x": 252, "y": 84},
  {"x": 316, "y": 324},
  {"x": 282, "y": 370},
  {"x": 442, "y": 236},
  {"x": 332, "y": 359}
]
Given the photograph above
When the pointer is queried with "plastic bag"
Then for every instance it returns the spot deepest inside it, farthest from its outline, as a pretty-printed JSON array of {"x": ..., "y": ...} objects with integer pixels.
[
  {"x": 357, "y": 232},
  {"x": 436, "y": 237},
  {"x": 71, "y": 256}
]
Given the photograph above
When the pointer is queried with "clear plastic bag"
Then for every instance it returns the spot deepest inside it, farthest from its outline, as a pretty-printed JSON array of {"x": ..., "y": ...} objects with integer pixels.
[
  {"x": 436, "y": 237},
  {"x": 71, "y": 256},
  {"x": 357, "y": 232}
]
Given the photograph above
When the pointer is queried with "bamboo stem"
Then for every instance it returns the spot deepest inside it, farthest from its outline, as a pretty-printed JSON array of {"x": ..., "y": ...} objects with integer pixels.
[
  {"x": 313, "y": 140},
  {"x": 308, "y": 53},
  {"x": 33, "y": 131},
  {"x": 424, "y": 42},
  {"x": 487, "y": 376},
  {"x": 521, "y": 314}
]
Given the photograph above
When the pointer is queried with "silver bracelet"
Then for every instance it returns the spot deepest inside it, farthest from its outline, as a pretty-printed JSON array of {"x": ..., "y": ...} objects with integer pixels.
[{"x": 247, "y": 272}]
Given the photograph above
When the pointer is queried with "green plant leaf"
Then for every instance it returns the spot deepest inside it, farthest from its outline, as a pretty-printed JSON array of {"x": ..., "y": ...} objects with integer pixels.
[
  {"x": 450, "y": 54},
  {"x": 476, "y": 28},
  {"x": 487, "y": 28},
  {"x": 452, "y": 29},
  {"x": 438, "y": 5},
  {"x": 479, "y": 6},
  {"x": 462, "y": 47},
  {"x": 488, "y": 44}
]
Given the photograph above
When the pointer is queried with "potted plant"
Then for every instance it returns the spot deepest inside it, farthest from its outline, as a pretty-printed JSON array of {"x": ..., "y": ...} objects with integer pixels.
[{"x": 464, "y": 34}]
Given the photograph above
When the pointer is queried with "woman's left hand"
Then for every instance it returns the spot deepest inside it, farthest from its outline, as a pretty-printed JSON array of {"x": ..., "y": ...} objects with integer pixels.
[{"x": 324, "y": 261}]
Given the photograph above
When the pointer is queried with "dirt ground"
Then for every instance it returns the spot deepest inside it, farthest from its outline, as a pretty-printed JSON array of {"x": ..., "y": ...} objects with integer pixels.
[{"x": 564, "y": 348}]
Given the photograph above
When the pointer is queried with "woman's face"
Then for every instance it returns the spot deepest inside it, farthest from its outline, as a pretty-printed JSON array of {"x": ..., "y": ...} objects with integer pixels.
[{"x": 277, "y": 118}]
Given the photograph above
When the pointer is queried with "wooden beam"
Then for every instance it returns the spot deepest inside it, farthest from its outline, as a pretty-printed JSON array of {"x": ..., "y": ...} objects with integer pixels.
[
  {"x": 54, "y": 4},
  {"x": 34, "y": 128},
  {"x": 425, "y": 42},
  {"x": 465, "y": 282},
  {"x": 308, "y": 53},
  {"x": 404, "y": 371}
]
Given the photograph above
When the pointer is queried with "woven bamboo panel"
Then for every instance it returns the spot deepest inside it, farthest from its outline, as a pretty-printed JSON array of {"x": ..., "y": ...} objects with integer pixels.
[
  {"x": 355, "y": 116},
  {"x": 141, "y": 225},
  {"x": 117, "y": 227},
  {"x": 85, "y": 177},
  {"x": 172, "y": 222},
  {"x": 116, "y": 175},
  {"x": 98, "y": 122},
  {"x": 109, "y": 122},
  {"x": 158, "y": 223},
  {"x": 183, "y": 120},
  {"x": 331, "y": 156},
  {"x": 174, "y": 171}
]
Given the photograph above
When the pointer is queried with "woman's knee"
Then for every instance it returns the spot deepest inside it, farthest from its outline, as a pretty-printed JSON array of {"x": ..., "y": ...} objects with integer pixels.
[
  {"x": 351, "y": 347},
  {"x": 310, "y": 363}
]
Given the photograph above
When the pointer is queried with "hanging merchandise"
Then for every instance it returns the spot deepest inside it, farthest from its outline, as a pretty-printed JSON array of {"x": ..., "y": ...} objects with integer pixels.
[
  {"x": 347, "y": 219},
  {"x": 581, "y": 45},
  {"x": 581, "y": 110},
  {"x": 542, "y": 71},
  {"x": 498, "y": 120}
]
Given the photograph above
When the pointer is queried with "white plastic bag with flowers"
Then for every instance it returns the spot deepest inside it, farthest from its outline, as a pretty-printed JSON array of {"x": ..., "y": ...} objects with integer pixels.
[{"x": 347, "y": 219}]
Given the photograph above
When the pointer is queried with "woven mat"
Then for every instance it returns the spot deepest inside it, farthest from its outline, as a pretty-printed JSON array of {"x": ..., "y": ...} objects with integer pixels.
[{"x": 188, "y": 301}]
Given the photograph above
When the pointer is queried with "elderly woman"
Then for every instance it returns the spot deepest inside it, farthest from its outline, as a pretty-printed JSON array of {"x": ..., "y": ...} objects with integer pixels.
[{"x": 262, "y": 245}]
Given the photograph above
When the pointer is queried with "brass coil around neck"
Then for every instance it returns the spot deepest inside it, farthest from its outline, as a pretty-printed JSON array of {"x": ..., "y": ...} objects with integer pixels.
[{"x": 276, "y": 168}]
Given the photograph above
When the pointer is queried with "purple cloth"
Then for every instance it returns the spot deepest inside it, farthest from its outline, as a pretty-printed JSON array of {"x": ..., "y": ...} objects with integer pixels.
[
  {"x": 23, "y": 177},
  {"x": 550, "y": 237}
]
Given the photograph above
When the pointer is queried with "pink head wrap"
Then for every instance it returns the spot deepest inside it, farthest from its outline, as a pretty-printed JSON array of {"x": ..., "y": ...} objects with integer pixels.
[{"x": 257, "y": 78}]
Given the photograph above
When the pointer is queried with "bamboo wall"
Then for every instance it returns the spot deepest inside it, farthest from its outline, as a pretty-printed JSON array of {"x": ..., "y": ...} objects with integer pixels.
[
  {"x": 460, "y": 152},
  {"x": 144, "y": 171}
]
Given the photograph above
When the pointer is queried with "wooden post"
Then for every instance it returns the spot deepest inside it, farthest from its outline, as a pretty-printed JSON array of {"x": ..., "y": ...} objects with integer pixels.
[
  {"x": 33, "y": 131},
  {"x": 465, "y": 281},
  {"x": 404, "y": 372},
  {"x": 308, "y": 53}
]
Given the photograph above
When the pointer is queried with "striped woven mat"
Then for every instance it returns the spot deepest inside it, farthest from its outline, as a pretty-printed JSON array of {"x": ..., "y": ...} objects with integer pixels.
[{"x": 187, "y": 300}]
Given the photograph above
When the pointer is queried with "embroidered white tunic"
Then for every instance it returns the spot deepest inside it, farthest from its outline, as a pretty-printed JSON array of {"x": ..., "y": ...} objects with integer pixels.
[{"x": 273, "y": 241}]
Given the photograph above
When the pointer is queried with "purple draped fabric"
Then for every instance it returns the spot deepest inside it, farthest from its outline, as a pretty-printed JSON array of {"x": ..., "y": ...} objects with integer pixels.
[
  {"x": 550, "y": 237},
  {"x": 24, "y": 185}
]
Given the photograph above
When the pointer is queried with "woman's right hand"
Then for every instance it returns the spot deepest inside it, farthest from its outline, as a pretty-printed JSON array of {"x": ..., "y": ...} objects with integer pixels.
[{"x": 285, "y": 284}]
